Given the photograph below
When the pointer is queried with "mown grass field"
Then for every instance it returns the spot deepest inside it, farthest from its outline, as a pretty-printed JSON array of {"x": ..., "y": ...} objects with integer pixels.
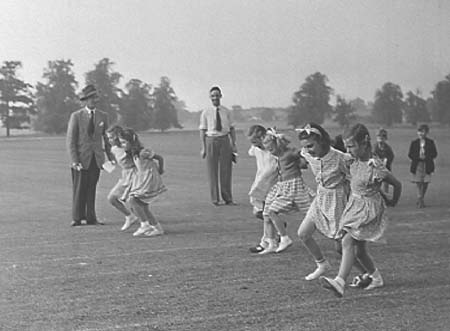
[{"x": 200, "y": 276}]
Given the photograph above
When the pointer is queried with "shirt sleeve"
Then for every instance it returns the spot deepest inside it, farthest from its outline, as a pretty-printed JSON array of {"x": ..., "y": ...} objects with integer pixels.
[
  {"x": 230, "y": 118},
  {"x": 251, "y": 151},
  {"x": 203, "y": 123}
]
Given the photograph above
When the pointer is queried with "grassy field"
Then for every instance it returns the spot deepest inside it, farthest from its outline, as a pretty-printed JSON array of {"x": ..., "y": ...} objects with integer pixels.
[{"x": 200, "y": 276}]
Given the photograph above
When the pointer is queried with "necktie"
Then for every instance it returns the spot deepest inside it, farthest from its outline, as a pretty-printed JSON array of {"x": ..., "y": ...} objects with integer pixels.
[
  {"x": 218, "y": 121},
  {"x": 91, "y": 124}
]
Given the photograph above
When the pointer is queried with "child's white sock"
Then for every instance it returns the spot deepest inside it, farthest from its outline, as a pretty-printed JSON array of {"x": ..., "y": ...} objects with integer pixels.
[{"x": 340, "y": 281}]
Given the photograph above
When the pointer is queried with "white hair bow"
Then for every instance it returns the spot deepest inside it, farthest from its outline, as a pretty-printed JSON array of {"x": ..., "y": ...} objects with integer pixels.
[
  {"x": 308, "y": 129},
  {"x": 273, "y": 132}
]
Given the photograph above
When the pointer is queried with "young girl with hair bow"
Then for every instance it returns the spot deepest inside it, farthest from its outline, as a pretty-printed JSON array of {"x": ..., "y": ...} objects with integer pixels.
[{"x": 290, "y": 192}]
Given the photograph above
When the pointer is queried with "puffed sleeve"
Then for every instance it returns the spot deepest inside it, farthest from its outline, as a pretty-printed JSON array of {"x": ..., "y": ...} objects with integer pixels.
[
  {"x": 146, "y": 154},
  {"x": 251, "y": 151}
]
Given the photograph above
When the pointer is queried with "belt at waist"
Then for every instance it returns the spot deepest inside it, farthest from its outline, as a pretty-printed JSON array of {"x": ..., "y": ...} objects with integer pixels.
[{"x": 218, "y": 137}]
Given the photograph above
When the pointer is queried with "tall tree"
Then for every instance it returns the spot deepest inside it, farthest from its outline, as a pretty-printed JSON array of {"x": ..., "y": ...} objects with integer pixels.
[
  {"x": 312, "y": 101},
  {"x": 106, "y": 81},
  {"x": 344, "y": 113},
  {"x": 136, "y": 110},
  {"x": 441, "y": 101},
  {"x": 16, "y": 99},
  {"x": 165, "y": 113},
  {"x": 416, "y": 108},
  {"x": 56, "y": 97},
  {"x": 388, "y": 105}
]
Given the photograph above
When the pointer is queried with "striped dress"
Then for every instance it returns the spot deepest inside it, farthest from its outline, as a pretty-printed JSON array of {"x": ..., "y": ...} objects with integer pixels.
[
  {"x": 332, "y": 176},
  {"x": 290, "y": 193}
]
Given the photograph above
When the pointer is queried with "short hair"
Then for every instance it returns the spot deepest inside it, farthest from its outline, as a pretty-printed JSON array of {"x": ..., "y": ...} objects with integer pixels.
[
  {"x": 360, "y": 134},
  {"x": 423, "y": 127},
  {"x": 215, "y": 88},
  {"x": 254, "y": 129},
  {"x": 322, "y": 138},
  {"x": 382, "y": 133}
]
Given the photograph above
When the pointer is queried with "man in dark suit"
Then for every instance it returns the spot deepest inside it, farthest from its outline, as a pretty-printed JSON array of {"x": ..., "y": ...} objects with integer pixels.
[{"x": 87, "y": 144}]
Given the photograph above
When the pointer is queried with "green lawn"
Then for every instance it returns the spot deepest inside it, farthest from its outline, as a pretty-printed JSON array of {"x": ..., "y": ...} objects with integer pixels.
[{"x": 200, "y": 276}]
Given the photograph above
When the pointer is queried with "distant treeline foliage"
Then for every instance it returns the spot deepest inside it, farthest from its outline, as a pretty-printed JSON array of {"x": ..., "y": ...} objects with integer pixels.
[{"x": 47, "y": 106}]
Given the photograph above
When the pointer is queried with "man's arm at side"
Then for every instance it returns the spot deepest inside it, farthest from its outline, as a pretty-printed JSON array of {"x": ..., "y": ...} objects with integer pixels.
[
  {"x": 203, "y": 143},
  {"x": 72, "y": 140}
]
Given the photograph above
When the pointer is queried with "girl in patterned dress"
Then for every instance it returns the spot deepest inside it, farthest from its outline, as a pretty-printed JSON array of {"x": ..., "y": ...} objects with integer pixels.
[
  {"x": 331, "y": 170},
  {"x": 147, "y": 184},
  {"x": 125, "y": 161},
  {"x": 364, "y": 217},
  {"x": 289, "y": 194}
]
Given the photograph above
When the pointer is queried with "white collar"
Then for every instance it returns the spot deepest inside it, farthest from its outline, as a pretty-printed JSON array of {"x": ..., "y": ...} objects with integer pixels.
[{"x": 89, "y": 110}]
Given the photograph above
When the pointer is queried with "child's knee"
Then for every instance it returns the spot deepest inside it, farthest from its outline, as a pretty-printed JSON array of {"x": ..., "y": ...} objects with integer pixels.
[
  {"x": 112, "y": 198},
  {"x": 304, "y": 236}
]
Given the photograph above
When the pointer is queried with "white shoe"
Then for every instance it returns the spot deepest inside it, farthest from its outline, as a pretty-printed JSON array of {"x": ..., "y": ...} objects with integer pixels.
[
  {"x": 376, "y": 282},
  {"x": 271, "y": 248},
  {"x": 156, "y": 231},
  {"x": 145, "y": 227},
  {"x": 285, "y": 242},
  {"x": 332, "y": 285},
  {"x": 129, "y": 221},
  {"x": 320, "y": 270}
]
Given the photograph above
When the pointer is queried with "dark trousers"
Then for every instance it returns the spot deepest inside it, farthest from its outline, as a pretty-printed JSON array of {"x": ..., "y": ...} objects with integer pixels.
[
  {"x": 219, "y": 164},
  {"x": 84, "y": 189}
]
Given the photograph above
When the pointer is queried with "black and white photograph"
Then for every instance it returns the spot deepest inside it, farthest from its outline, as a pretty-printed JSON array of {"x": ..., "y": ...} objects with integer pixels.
[{"x": 239, "y": 165}]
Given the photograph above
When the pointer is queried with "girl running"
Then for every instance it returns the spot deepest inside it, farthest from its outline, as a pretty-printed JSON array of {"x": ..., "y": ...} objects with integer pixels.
[
  {"x": 125, "y": 161},
  {"x": 331, "y": 170},
  {"x": 289, "y": 194},
  {"x": 364, "y": 217},
  {"x": 147, "y": 184}
]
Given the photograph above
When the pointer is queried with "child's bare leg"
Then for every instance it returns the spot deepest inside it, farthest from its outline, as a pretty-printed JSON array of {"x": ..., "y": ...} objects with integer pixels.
[
  {"x": 357, "y": 263},
  {"x": 114, "y": 200},
  {"x": 269, "y": 231},
  {"x": 367, "y": 261},
  {"x": 363, "y": 256},
  {"x": 151, "y": 219},
  {"x": 305, "y": 232},
  {"x": 138, "y": 208},
  {"x": 278, "y": 223},
  {"x": 348, "y": 256}
]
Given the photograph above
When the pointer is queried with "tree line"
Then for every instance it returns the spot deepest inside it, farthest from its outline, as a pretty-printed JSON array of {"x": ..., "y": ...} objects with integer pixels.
[
  {"x": 47, "y": 106},
  {"x": 311, "y": 103}
]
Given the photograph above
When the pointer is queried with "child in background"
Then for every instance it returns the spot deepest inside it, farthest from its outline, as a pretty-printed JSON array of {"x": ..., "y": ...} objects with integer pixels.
[
  {"x": 147, "y": 184},
  {"x": 266, "y": 177},
  {"x": 384, "y": 152},
  {"x": 422, "y": 153},
  {"x": 289, "y": 194},
  {"x": 331, "y": 170},
  {"x": 128, "y": 170},
  {"x": 364, "y": 217}
]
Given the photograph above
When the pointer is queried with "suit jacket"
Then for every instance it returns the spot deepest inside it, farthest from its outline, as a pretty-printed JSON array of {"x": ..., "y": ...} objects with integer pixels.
[
  {"x": 430, "y": 155},
  {"x": 82, "y": 148}
]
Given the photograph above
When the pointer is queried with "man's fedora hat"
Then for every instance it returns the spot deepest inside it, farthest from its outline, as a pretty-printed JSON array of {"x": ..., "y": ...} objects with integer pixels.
[{"x": 87, "y": 92}]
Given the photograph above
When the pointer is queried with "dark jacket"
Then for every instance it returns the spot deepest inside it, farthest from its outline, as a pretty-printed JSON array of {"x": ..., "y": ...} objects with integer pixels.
[{"x": 430, "y": 155}]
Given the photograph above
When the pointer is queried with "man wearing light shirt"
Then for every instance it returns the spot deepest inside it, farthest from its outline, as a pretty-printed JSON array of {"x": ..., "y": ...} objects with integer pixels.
[
  {"x": 87, "y": 144},
  {"x": 218, "y": 144}
]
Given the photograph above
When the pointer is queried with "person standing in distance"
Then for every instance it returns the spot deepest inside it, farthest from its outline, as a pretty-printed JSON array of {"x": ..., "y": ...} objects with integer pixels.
[
  {"x": 218, "y": 145},
  {"x": 86, "y": 136}
]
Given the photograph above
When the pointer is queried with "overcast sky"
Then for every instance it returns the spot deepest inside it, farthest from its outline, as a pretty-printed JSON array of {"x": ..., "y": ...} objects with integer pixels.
[{"x": 258, "y": 51}]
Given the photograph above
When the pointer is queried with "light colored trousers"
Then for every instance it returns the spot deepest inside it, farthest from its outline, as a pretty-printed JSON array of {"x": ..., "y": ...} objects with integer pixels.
[{"x": 219, "y": 164}]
